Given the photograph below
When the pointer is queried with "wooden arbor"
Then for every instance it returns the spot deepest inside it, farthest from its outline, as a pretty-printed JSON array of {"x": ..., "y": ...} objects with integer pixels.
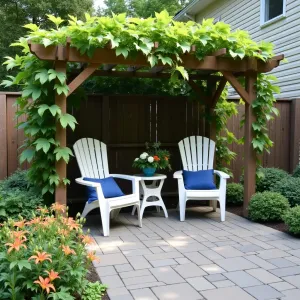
[{"x": 201, "y": 70}]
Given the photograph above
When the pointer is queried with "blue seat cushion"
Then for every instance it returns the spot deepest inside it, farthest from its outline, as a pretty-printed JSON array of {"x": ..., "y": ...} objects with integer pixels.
[
  {"x": 109, "y": 186},
  {"x": 199, "y": 180}
]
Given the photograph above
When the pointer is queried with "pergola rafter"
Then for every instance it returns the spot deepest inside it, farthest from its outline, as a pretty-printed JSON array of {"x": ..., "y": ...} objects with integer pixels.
[{"x": 204, "y": 69}]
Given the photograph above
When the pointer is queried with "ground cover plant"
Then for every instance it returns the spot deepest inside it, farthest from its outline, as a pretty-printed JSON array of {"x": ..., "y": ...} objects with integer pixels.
[
  {"x": 45, "y": 257},
  {"x": 234, "y": 193},
  {"x": 292, "y": 219}
]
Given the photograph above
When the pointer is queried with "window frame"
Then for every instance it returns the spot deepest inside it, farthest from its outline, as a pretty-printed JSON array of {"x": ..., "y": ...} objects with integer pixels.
[{"x": 263, "y": 22}]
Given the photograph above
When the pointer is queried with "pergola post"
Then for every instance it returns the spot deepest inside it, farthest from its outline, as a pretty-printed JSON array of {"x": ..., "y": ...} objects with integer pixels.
[
  {"x": 61, "y": 137},
  {"x": 250, "y": 156}
]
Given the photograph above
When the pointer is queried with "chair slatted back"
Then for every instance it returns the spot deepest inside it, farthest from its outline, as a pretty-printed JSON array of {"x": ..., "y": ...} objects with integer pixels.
[
  {"x": 197, "y": 153},
  {"x": 91, "y": 156}
]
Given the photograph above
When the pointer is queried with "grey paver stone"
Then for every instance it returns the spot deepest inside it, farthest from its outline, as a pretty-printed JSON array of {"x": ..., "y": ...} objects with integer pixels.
[
  {"x": 215, "y": 277},
  {"x": 200, "y": 283},
  {"x": 104, "y": 271},
  {"x": 163, "y": 262},
  {"x": 143, "y": 294},
  {"x": 212, "y": 269},
  {"x": 294, "y": 280},
  {"x": 137, "y": 273},
  {"x": 139, "y": 262},
  {"x": 210, "y": 254},
  {"x": 259, "y": 243},
  {"x": 291, "y": 294},
  {"x": 198, "y": 258},
  {"x": 108, "y": 250},
  {"x": 189, "y": 270},
  {"x": 139, "y": 280},
  {"x": 124, "y": 268},
  {"x": 136, "y": 252},
  {"x": 272, "y": 253},
  {"x": 282, "y": 286},
  {"x": 112, "y": 259},
  {"x": 176, "y": 292},
  {"x": 156, "y": 250},
  {"x": 166, "y": 275},
  {"x": 249, "y": 248},
  {"x": 164, "y": 255},
  {"x": 190, "y": 247},
  {"x": 286, "y": 271},
  {"x": 264, "y": 276},
  {"x": 263, "y": 292},
  {"x": 155, "y": 243},
  {"x": 228, "y": 293},
  {"x": 228, "y": 251},
  {"x": 112, "y": 281},
  {"x": 144, "y": 285},
  {"x": 183, "y": 260},
  {"x": 235, "y": 264},
  {"x": 132, "y": 246},
  {"x": 281, "y": 262},
  {"x": 242, "y": 279},
  {"x": 167, "y": 248},
  {"x": 223, "y": 283},
  {"x": 295, "y": 252},
  {"x": 260, "y": 262},
  {"x": 119, "y": 294}
]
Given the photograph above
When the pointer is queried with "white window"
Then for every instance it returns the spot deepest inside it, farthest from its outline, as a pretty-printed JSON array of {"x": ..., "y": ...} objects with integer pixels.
[{"x": 272, "y": 11}]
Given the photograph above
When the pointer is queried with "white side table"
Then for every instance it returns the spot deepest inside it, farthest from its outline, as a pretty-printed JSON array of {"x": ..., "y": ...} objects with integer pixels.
[{"x": 150, "y": 194}]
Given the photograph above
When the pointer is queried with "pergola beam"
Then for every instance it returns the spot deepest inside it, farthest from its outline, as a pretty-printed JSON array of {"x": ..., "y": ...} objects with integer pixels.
[
  {"x": 200, "y": 92},
  {"x": 218, "y": 92},
  {"x": 109, "y": 67}
]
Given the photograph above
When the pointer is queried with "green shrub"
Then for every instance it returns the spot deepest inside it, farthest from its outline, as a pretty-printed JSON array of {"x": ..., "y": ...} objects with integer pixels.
[
  {"x": 268, "y": 178},
  {"x": 267, "y": 206},
  {"x": 297, "y": 172},
  {"x": 234, "y": 193},
  {"x": 18, "y": 197},
  {"x": 93, "y": 291},
  {"x": 292, "y": 219},
  {"x": 290, "y": 188}
]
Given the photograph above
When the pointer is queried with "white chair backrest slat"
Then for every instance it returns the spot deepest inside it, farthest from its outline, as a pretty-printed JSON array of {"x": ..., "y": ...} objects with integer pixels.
[
  {"x": 187, "y": 148},
  {"x": 194, "y": 150},
  {"x": 197, "y": 153},
  {"x": 182, "y": 154},
  {"x": 91, "y": 157}
]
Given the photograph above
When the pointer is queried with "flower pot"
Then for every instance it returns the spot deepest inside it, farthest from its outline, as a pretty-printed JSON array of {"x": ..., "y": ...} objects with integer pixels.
[{"x": 149, "y": 171}]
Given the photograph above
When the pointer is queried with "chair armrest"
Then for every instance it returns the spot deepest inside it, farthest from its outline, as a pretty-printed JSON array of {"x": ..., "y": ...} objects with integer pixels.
[
  {"x": 178, "y": 175},
  {"x": 221, "y": 174},
  {"x": 87, "y": 183}
]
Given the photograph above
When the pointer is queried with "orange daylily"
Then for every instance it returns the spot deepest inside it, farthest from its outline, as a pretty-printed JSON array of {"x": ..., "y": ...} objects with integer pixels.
[
  {"x": 40, "y": 257},
  {"x": 17, "y": 244},
  {"x": 19, "y": 224},
  {"x": 86, "y": 239},
  {"x": 34, "y": 221},
  {"x": 43, "y": 210},
  {"x": 91, "y": 256},
  {"x": 45, "y": 284},
  {"x": 156, "y": 158},
  {"x": 19, "y": 234},
  {"x": 52, "y": 275},
  {"x": 166, "y": 158},
  {"x": 72, "y": 224},
  {"x": 63, "y": 232},
  {"x": 58, "y": 207},
  {"x": 67, "y": 250}
]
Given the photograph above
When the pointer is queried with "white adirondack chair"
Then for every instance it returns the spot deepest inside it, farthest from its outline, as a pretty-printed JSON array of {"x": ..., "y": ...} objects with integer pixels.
[
  {"x": 91, "y": 156},
  {"x": 197, "y": 153}
]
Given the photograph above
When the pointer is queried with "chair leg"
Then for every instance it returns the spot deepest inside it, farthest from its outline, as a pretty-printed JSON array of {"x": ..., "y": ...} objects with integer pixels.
[
  {"x": 105, "y": 216},
  {"x": 85, "y": 211},
  {"x": 138, "y": 208},
  {"x": 222, "y": 209},
  {"x": 214, "y": 205},
  {"x": 133, "y": 210},
  {"x": 182, "y": 207}
]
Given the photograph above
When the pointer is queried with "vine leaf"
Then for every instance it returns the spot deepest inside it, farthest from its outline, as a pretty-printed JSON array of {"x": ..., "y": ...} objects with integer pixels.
[
  {"x": 122, "y": 51},
  {"x": 42, "y": 109},
  {"x": 54, "y": 179},
  {"x": 42, "y": 75},
  {"x": 61, "y": 89},
  {"x": 64, "y": 153},
  {"x": 42, "y": 143},
  {"x": 165, "y": 59},
  {"x": 183, "y": 72},
  {"x": 32, "y": 90},
  {"x": 27, "y": 155},
  {"x": 152, "y": 60},
  {"x": 67, "y": 120},
  {"x": 59, "y": 75},
  {"x": 66, "y": 181},
  {"x": 54, "y": 109},
  {"x": 56, "y": 20},
  {"x": 258, "y": 144},
  {"x": 185, "y": 46}
]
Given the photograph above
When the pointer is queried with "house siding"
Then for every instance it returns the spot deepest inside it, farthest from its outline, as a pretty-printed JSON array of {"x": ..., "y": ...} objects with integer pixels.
[{"x": 284, "y": 34}]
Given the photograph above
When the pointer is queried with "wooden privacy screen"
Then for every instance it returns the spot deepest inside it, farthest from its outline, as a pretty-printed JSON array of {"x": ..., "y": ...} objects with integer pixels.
[{"x": 125, "y": 123}]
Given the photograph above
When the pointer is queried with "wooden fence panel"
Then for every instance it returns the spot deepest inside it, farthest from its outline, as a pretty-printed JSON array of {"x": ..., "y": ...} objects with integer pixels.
[{"x": 3, "y": 138}]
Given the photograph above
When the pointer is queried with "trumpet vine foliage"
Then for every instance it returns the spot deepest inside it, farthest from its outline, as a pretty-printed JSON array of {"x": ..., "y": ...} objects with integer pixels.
[{"x": 40, "y": 82}]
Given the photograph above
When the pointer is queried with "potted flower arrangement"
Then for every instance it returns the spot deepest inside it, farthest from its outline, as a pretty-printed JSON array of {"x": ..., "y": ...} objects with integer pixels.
[{"x": 154, "y": 158}]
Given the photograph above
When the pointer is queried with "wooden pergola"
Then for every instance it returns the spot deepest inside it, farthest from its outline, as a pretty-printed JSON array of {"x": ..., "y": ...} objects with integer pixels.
[{"x": 139, "y": 67}]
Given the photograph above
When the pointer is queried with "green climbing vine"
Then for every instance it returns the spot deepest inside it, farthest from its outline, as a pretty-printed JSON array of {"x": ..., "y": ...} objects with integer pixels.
[{"x": 128, "y": 37}]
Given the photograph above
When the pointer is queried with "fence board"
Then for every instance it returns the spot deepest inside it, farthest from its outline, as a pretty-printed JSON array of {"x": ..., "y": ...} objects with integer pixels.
[{"x": 3, "y": 138}]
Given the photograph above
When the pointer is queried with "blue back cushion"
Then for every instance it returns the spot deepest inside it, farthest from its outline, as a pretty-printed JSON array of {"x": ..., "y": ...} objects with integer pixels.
[
  {"x": 199, "y": 180},
  {"x": 109, "y": 187}
]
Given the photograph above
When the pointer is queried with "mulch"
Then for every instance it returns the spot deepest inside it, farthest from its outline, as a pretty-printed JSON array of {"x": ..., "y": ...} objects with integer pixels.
[
  {"x": 238, "y": 210},
  {"x": 93, "y": 277}
]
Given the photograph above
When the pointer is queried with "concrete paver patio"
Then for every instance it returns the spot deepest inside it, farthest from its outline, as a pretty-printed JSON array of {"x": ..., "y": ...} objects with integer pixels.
[{"x": 200, "y": 258}]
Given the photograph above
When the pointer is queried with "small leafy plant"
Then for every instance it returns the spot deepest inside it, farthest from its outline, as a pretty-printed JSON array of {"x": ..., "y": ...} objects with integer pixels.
[
  {"x": 44, "y": 257},
  {"x": 153, "y": 158},
  {"x": 289, "y": 187},
  {"x": 292, "y": 219},
  {"x": 234, "y": 193},
  {"x": 93, "y": 291},
  {"x": 296, "y": 172},
  {"x": 268, "y": 206}
]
